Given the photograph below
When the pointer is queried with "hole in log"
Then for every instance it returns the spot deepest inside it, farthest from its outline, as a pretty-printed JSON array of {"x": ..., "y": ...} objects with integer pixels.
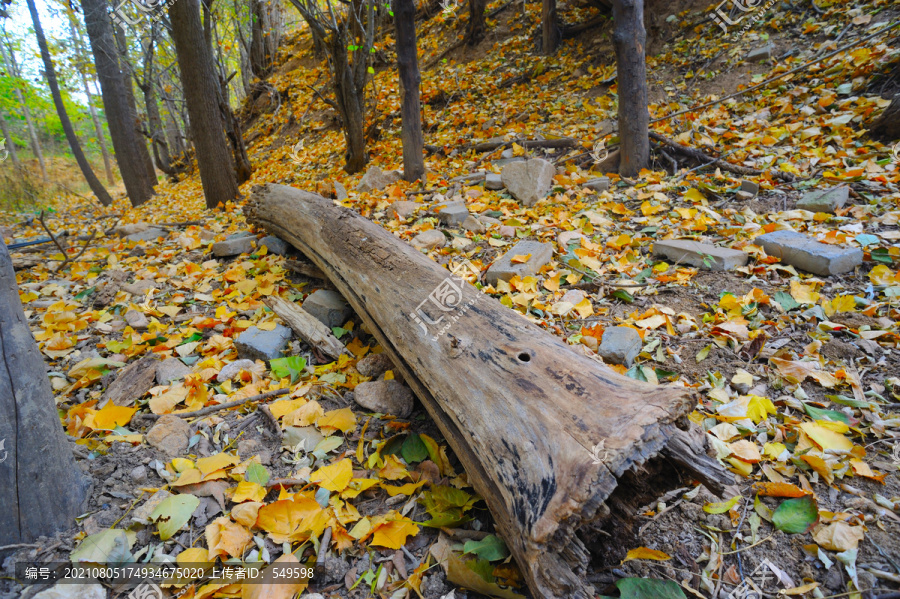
[{"x": 524, "y": 357}]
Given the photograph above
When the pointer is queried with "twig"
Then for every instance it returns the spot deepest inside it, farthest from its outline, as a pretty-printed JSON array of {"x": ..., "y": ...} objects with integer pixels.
[
  {"x": 271, "y": 418},
  {"x": 19, "y": 546},
  {"x": 722, "y": 164},
  {"x": 78, "y": 255},
  {"x": 231, "y": 404},
  {"x": 52, "y": 237},
  {"x": 284, "y": 482},
  {"x": 323, "y": 544}
]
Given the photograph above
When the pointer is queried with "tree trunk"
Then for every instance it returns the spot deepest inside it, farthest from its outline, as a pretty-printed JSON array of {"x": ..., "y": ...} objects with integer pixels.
[
  {"x": 127, "y": 72},
  {"x": 9, "y": 61},
  {"x": 41, "y": 488},
  {"x": 198, "y": 80},
  {"x": 265, "y": 33},
  {"x": 558, "y": 445},
  {"x": 98, "y": 128},
  {"x": 887, "y": 126},
  {"x": 634, "y": 118},
  {"x": 86, "y": 170},
  {"x": 351, "y": 105},
  {"x": 476, "y": 27},
  {"x": 154, "y": 120},
  {"x": 124, "y": 136},
  {"x": 7, "y": 139},
  {"x": 550, "y": 34},
  {"x": 410, "y": 109}
]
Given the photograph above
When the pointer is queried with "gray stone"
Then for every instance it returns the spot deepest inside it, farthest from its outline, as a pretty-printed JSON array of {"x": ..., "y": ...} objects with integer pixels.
[
  {"x": 374, "y": 365},
  {"x": 171, "y": 369},
  {"x": 475, "y": 177},
  {"x": 461, "y": 243},
  {"x": 427, "y": 240},
  {"x": 233, "y": 246},
  {"x": 508, "y": 153},
  {"x": 139, "y": 287},
  {"x": 750, "y": 187},
  {"x": 229, "y": 371},
  {"x": 328, "y": 307},
  {"x": 136, "y": 320},
  {"x": 489, "y": 221},
  {"x": 340, "y": 192},
  {"x": 257, "y": 344},
  {"x": 573, "y": 296},
  {"x": 139, "y": 475},
  {"x": 376, "y": 179},
  {"x": 507, "y": 160},
  {"x": 240, "y": 234},
  {"x": 824, "y": 200},
  {"x": 141, "y": 514},
  {"x": 808, "y": 254},
  {"x": 151, "y": 234},
  {"x": 701, "y": 255},
  {"x": 308, "y": 435},
  {"x": 170, "y": 435},
  {"x": 403, "y": 209},
  {"x": 275, "y": 245},
  {"x": 620, "y": 345},
  {"x": 386, "y": 397},
  {"x": 743, "y": 196},
  {"x": 507, "y": 231},
  {"x": 600, "y": 184},
  {"x": 528, "y": 181},
  {"x": 6, "y": 232},
  {"x": 493, "y": 181},
  {"x": 567, "y": 238},
  {"x": 503, "y": 268},
  {"x": 207, "y": 235},
  {"x": 473, "y": 224},
  {"x": 451, "y": 213},
  {"x": 760, "y": 54}
]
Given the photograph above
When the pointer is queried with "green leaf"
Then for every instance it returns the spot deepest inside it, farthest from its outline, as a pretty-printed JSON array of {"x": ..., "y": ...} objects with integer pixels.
[
  {"x": 334, "y": 378},
  {"x": 371, "y": 70},
  {"x": 648, "y": 588},
  {"x": 338, "y": 332},
  {"x": 413, "y": 450},
  {"x": 483, "y": 568},
  {"x": 291, "y": 366},
  {"x": 833, "y": 415},
  {"x": 491, "y": 548},
  {"x": 701, "y": 355},
  {"x": 86, "y": 292},
  {"x": 257, "y": 473},
  {"x": 172, "y": 513},
  {"x": 796, "y": 516},
  {"x": 846, "y": 401},
  {"x": 191, "y": 339},
  {"x": 623, "y": 295},
  {"x": 636, "y": 373},
  {"x": 785, "y": 300}
]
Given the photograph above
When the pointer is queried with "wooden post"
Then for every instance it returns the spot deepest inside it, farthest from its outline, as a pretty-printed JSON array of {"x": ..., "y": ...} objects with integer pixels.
[
  {"x": 410, "y": 109},
  {"x": 634, "y": 119},
  {"x": 41, "y": 488}
]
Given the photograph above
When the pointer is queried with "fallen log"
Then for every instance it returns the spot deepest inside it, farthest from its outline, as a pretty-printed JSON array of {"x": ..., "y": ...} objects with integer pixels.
[{"x": 559, "y": 446}]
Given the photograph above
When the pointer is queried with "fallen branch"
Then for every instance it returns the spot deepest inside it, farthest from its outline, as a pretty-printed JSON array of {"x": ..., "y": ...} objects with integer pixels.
[
  {"x": 307, "y": 327},
  {"x": 489, "y": 146},
  {"x": 79, "y": 254},
  {"x": 722, "y": 164},
  {"x": 225, "y": 406}
]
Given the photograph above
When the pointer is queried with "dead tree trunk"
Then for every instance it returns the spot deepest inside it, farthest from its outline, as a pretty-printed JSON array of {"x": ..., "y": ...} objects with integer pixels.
[
  {"x": 41, "y": 488},
  {"x": 550, "y": 438},
  {"x": 550, "y": 34},
  {"x": 199, "y": 83},
  {"x": 83, "y": 164},
  {"x": 634, "y": 118},
  {"x": 410, "y": 108},
  {"x": 476, "y": 27}
]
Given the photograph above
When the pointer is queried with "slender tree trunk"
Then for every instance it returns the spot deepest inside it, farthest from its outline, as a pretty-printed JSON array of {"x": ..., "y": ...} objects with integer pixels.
[
  {"x": 410, "y": 109},
  {"x": 12, "y": 68},
  {"x": 92, "y": 180},
  {"x": 98, "y": 128},
  {"x": 351, "y": 103},
  {"x": 634, "y": 118},
  {"x": 173, "y": 130},
  {"x": 10, "y": 146},
  {"x": 154, "y": 121},
  {"x": 476, "y": 28},
  {"x": 41, "y": 488},
  {"x": 125, "y": 139},
  {"x": 550, "y": 34},
  {"x": 201, "y": 94},
  {"x": 265, "y": 32},
  {"x": 136, "y": 122}
]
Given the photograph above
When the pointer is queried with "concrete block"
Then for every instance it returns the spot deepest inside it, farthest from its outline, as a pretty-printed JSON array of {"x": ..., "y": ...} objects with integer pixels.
[
  {"x": 451, "y": 213},
  {"x": 257, "y": 344},
  {"x": 808, "y": 254},
  {"x": 233, "y": 247},
  {"x": 701, "y": 255},
  {"x": 504, "y": 269}
]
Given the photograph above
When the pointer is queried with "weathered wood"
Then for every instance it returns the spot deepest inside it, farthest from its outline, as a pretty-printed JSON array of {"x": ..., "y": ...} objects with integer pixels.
[
  {"x": 307, "y": 327},
  {"x": 543, "y": 431},
  {"x": 629, "y": 39},
  {"x": 132, "y": 382},
  {"x": 41, "y": 488}
]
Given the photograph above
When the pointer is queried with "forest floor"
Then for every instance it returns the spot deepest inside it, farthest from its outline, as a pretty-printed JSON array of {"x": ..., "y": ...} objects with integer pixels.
[{"x": 798, "y": 375}]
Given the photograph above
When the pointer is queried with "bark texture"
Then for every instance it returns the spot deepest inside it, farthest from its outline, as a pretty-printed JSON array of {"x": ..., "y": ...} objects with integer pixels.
[
  {"x": 410, "y": 108},
  {"x": 475, "y": 29},
  {"x": 887, "y": 126},
  {"x": 550, "y": 33},
  {"x": 198, "y": 80},
  {"x": 550, "y": 438},
  {"x": 49, "y": 71},
  {"x": 629, "y": 39},
  {"x": 41, "y": 488}
]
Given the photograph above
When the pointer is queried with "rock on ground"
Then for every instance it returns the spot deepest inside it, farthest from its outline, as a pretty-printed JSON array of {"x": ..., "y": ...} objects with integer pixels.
[
  {"x": 376, "y": 179},
  {"x": 620, "y": 345},
  {"x": 600, "y": 184},
  {"x": 328, "y": 307},
  {"x": 473, "y": 224},
  {"x": 257, "y": 344},
  {"x": 233, "y": 247},
  {"x": 151, "y": 234},
  {"x": 760, "y": 54},
  {"x": 824, "y": 200},
  {"x": 528, "y": 181},
  {"x": 171, "y": 369},
  {"x": 701, "y": 255},
  {"x": 493, "y": 181},
  {"x": 136, "y": 320},
  {"x": 504, "y": 268},
  {"x": 340, "y": 192},
  {"x": 275, "y": 245},
  {"x": 808, "y": 254},
  {"x": 132, "y": 382},
  {"x": 403, "y": 209},
  {"x": 170, "y": 435},
  {"x": 229, "y": 371},
  {"x": 374, "y": 365},
  {"x": 427, "y": 240},
  {"x": 451, "y": 213},
  {"x": 386, "y": 397}
]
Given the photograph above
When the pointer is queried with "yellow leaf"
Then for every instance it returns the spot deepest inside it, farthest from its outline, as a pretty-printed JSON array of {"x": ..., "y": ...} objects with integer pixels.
[
  {"x": 224, "y": 537},
  {"x": 773, "y": 450},
  {"x": 801, "y": 590},
  {"x": 693, "y": 195},
  {"x": 216, "y": 462},
  {"x": 645, "y": 553},
  {"x": 269, "y": 325},
  {"x": 182, "y": 464},
  {"x": 393, "y": 533},
  {"x": 246, "y": 513},
  {"x": 520, "y": 258},
  {"x": 826, "y": 439},
  {"x": 393, "y": 469},
  {"x": 285, "y": 406},
  {"x": 407, "y": 489},
  {"x": 194, "y": 555},
  {"x": 838, "y": 536},
  {"x": 518, "y": 150},
  {"x": 805, "y": 294},
  {"x": 759, "y": 408},
  {"x": 334, "y": 477},
  {"x": 290, "y": 519},
  {"x": 721, "y": 507},
  {"x": 343, "y": 420},
  {"x": 746, "y": 451},
  {"x": 305, "y": 415},
  {"x": 170, "y": 311},
  {"x": 280, "y": 580},
  {"x": 248, "y": 491},
  {"x": 188, "y": 477},
  {"x": 112, "y": 416}
]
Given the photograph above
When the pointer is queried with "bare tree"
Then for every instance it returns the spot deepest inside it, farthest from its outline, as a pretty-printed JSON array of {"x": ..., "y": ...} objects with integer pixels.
[
  {"x": 348, "y": 36},
  {"x": 410, "y": 109},
  {"x": 201, "y": 93},
  {"x": 629, "y": 39},
  {"x": 86, "y": 170},
  {"x": 266, "y": 23},
  {"x": 133, "y": 168}
]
